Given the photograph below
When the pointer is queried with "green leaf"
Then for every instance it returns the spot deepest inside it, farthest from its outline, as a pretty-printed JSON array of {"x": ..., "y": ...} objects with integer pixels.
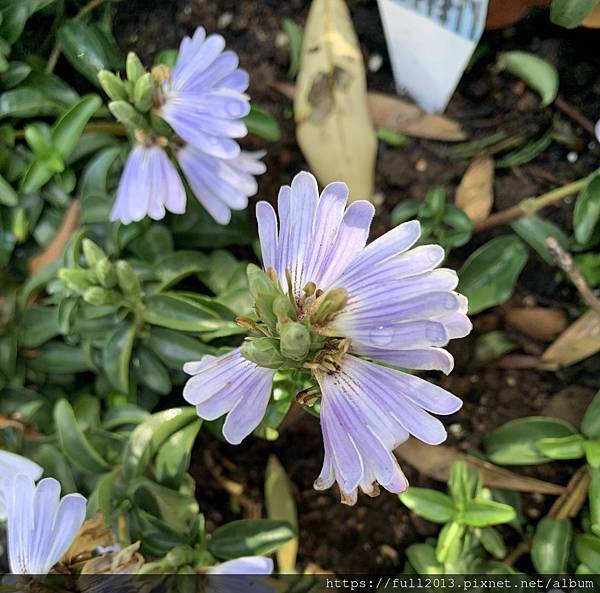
[
  {"x": 492, "y": 541},
  {"x": 489, "y": 275},
  {"x": 594, "y": 499},
  {"x": 59, "y": 358},
  {"x": 174, "y": 267},
  {"x": 423, "y": 559},
  {"x": 116, "y": 355},
  {"x": 38, "y": 325},
  {"x": 430, "y": 504},
  {"x": 262, "y": 124},
  {"x": 74, "y": 443},
  {"x": 449, "y": 542},
  {"x": 174, "y": 348},
  {"x": 570, "y": 13},
  {"x": 587, "y": 550},
  {"x": 592, "y": 453},
  {"x": 8, "y": 196},
  {"x": 146, "y": 438},
  {"x": 17, "y": 72},
  {"x": 89, "y": 49},
  {"x": 536, "y": 230},
  {"x": 14, "y": 17},
  {"x": 174, "y": 312},
  {"x": 67, "y": 131},
  {"x": 590, "y": 425},
  {"x": 586, "y": 214},
  {"x": 294, "y": 35},
  {"x": 280, "y": 504},
  {"x": 249, "y": 537},
  {"x": 539, "y": 74},
  {"x": 490, "y": 346},
  {"x": 173, "y": 457},
  {"x": 483, "y": 513},
  {"x": 403, "y": 212},
  {"x": 156, "y": 536},
  {"x": 25, "y": 102},
  {"x": 516, "y": 442},
  {"x": 151, "y": 372},
  {"x": 102, "y": 498},
  {"x": 569, "y": 447}
]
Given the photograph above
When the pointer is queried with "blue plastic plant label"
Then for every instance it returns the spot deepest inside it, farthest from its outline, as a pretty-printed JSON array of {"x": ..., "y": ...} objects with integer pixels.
[{"x": 430, "y": 43}]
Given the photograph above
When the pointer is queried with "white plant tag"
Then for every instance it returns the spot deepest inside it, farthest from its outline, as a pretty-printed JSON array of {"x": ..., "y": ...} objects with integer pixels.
[{"x": 430, "y": 43}]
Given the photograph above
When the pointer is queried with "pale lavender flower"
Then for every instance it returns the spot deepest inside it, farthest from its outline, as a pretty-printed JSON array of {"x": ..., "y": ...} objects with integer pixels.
[
  {"x": 241, "y": 575},
  {"x": 360, "y": 306},
  {"x": 12, "y": 464},
  {"x": 597, "y": 129},
  {"x": 149, "y": 186},
  {"x": 221, "y": 185},
  {"x": 203, "y": 98},
  {"x": 41, "y": 526}
]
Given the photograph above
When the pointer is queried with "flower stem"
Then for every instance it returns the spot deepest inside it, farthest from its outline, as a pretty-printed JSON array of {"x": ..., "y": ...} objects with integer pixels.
[{"x": 532, "y": 205}]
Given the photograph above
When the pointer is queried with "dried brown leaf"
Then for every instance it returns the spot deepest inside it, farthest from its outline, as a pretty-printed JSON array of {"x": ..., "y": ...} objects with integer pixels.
[
  {"x": 541, "y": 323},
  {"x": 333, "y": 126},
  {"x": 54, "y": 250},
  {"x": 93, "y": 533},
  {"x": 475, "y": 194},
  {"x": 570, "y": 404},
  {"x": 579, "y": 341},
  {"x": 437, "y": 461},
  {"x": 400, "y": 115}
]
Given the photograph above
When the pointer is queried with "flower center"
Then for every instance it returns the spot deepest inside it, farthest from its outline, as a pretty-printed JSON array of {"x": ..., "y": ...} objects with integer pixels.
[{"x": 287, "y": 331}]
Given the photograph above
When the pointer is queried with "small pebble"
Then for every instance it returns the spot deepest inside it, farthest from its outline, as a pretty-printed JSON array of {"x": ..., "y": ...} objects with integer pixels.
[
  {"x": 225, "y": 20},
  {"x": 421, "y": 165},
  {"x": 511, "y": 381},
  {"x": 281, "y": 40},
  {"x": 375, "y": 62},
  {"x": 572, "y": 157},
  {"x": 378, "y": 199},
  {"x": 456, "y": 430},
  {"x": 187, "y": 10}
]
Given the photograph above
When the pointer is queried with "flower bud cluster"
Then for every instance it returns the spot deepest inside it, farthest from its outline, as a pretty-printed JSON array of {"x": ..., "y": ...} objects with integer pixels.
[{"x": 286, "y": 333}]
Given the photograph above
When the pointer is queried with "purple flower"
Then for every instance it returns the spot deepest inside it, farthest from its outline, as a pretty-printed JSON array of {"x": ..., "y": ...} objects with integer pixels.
[
  {"x": 203, "y": 99},
  {"x": 241, "y": 575},
  {"x": 41, "y": 527},
  {"x": 12, "y": 464},
  {"x": 149, "y": 186},
  {"x": 597, "y": 130},
  {"x": 351, "y": 308}
]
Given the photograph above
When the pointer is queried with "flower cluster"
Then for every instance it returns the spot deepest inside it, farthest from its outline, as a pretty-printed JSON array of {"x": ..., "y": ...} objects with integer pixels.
[
  {"x": 203, "y": 100},
  {"x": 349, "y": 314}
]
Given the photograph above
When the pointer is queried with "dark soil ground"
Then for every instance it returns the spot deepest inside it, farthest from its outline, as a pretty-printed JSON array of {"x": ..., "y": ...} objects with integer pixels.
[{"x": 372, "y": 536}]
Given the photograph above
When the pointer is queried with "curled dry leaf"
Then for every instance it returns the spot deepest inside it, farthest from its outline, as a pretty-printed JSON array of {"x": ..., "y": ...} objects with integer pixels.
[
  {"x": 92, "y": 534},
  {"x": 334, "y": 129},
  {"x": 55, "y": 248},
  {"x": 436, "y": 461},
  {"x": 399, "y": 115},
  {"x": 475, "y": 194},
  {"x": 579, "y": 341},
  {"x": 541, "y": 323}
]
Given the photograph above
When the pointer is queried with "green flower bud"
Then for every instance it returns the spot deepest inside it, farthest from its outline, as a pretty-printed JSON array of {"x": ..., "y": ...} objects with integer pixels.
[
  {"x": 134, "y": 67},
  {"x": 100, "y": 296},
  {"x": 264, "y": 291},
  {"x": 143, "y": 93},
  {"x": 128, "y": 281},
  {"x": 127, "y": 114},
  {"x": 76, "y": 279},
  {"x": 92, "y": 253},
  {"x": 20, "y": 225},
  {"x": 294, "y": 341},
  {"x": 105, "y": 271},
  {"x": 113, "y": 86},
  {"x": 283, "y": 309},
  {"x": 179, "y": 556},
  {"x": 263, "y": 352}
]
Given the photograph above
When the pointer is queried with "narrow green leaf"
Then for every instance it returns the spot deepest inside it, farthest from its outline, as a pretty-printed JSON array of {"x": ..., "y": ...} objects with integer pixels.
[
  {"x": 151, "y": 372},
  {"x": 516, "y": 442},
  {"x": 116, "y": 355},
  {"x": 59, "y": 358},
  {"x": 174, "y": 312},
  {"x": 8, "y": 196},
  {"x": 539, "y": 74},
  {"x": 590, "y": 425},
  {"x": 294, "y": 35},
  {"x": 489, "y": 275},
  {"x": 174, "y": 348},
  {"x": 483, "y": 513},
  {"x": 587, "y": 550},
  {"x": 570, "y": 13},
  {"x": 38, "y": 325},
  {"x": 74, "y": 443},
  {"x": 569, "y": 447},
  {"x": 430, "y": 504},
  {"x": 492, "y": 541},
  {"x": 173, "y": 457},
  {"x": 262, "y": 124},
  {"x": 422, "y": 558},
  {"x": 249, "y": 537},
  {"x": 67, "y": 131},
  {"x": 586, "y": 214},
  {"x": 536, "y": 230}
]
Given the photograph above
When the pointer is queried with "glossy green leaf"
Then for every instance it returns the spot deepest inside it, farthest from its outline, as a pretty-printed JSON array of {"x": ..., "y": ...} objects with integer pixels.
[
  {"x": 102, "y": 498},
  {"x": 570, "y": 13},
  {"x": 116, "y": 355},
  {"x": 174, "y": 267},
  {"x": 587, "y": 550},
  {"x": 262, "y": 124},
  {"x": 430, "y": 504},
  {"x": 156, "y": 536},
  {"x": 590, "y": 425},
  {"x": 38, "y": 325},
  {"x": 249, "y": 537},
  {"x": 492, "y": 541},
  {"x": 74, "y": 443},
  {"x": 16, "y": 73},
  {"x": 586, "y": 214},
  {"x": 24, "y": 102},
  {"x": 489, "y": 275},
  {"x": 89, "y": 49},
  {"x": 67, "y": 131},
  {"x": 483, "y": 513},
  {"x": 422, "y": 558},
  {"x": 145, "y": 440},
  {"x": 173, "y": 457},
  {"x": 535, "y": 230},
  {"x": 594, "y": 499},
  {"x": 516, "y": 442},
  {"x": 294, "y": 35},
  {"x": 174, "y": 348},
  {"x": 59, "y": 358},
  {"x": 539, "y": 74},
  {"x": 174, "y": 312},
  {"x": 151, "y": 372},
  {"x": 403, "y": 212},
  {"x": 449, "y": 542},
  {"x": 8, "y": 196},
  {"x": 569, "y": 447}
]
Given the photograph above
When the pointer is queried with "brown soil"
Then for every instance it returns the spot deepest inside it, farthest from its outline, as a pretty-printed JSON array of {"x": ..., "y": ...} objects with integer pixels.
[{"x": 371, "y": 537}]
